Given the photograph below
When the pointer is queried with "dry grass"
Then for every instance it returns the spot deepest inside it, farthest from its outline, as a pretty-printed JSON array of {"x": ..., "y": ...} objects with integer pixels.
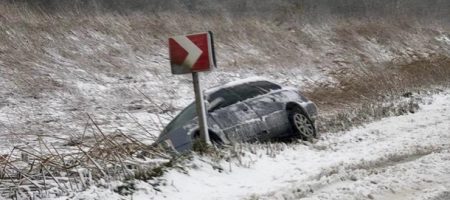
[
  {"x": 361, "y": 97},
  {"x": 378, "y": 83},
  {"x": 46, "y": 171}
]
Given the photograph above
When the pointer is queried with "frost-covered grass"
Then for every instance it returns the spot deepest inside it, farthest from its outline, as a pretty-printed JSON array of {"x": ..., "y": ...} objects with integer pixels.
[{"x": 45, "y": 170}]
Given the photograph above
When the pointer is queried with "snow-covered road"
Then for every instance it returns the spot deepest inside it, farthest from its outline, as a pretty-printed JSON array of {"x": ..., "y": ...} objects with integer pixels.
[{"x": 404, "y": 157}]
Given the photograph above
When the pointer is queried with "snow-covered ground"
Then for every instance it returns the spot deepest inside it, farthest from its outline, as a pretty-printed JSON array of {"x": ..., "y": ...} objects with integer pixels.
[{"x": 404, "y": 157}]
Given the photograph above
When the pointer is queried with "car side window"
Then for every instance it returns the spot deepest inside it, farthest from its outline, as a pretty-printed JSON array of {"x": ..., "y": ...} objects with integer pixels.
[
  {"x": 266, "y": 85},
  {"x": 246, "y": 91},
  {"x": 227, "y": 96}
]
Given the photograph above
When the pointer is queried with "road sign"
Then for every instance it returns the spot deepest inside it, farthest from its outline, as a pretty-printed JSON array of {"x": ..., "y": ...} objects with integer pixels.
[{"x": 192, "y": 53}]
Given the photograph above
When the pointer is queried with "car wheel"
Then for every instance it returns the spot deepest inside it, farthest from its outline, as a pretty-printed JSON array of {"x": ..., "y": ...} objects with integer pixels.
[{"x": 301, "y": 124}]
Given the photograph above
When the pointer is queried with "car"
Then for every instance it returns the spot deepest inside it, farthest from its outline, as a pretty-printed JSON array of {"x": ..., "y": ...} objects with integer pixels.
[{"x": 248, "y": 110}]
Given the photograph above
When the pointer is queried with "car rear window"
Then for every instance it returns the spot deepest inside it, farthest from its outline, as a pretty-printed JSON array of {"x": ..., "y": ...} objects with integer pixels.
[
  {"x": 227, "y": 96},
  {"x": 246, "y": 91},
  {"x": 265, "y": 85}
]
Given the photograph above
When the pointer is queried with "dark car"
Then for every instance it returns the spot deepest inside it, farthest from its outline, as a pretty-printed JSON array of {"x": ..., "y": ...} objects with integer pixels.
[{"x": 245, "y": 111}]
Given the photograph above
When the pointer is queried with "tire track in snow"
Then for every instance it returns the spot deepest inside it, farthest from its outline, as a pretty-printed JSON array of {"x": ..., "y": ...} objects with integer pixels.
[{"x": 347, "y": 180}]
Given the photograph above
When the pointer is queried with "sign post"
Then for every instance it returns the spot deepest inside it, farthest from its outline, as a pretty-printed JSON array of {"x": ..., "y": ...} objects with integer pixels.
[
  {"x": 201, "y": 110},
  {"x": 193, "y": 54}
]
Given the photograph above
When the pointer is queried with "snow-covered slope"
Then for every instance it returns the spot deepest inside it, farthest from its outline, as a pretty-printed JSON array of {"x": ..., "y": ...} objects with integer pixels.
[
  {"x": 62, "y": 59},
  {"x": 404, "y": 157}
]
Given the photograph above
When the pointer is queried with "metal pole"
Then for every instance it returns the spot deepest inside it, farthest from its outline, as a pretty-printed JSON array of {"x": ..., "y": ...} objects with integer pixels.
[{"x": 201, "y": 110}]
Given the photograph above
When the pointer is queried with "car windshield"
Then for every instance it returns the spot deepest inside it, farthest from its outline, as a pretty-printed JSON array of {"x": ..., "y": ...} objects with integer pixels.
[{"x": 187, "y": 114}]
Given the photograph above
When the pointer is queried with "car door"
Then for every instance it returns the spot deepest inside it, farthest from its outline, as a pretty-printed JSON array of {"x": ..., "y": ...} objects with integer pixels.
[
  {"x": 247, "y": 94},
  {"x": 236, "y": 119},
  {"x": 270, "y": 109}
]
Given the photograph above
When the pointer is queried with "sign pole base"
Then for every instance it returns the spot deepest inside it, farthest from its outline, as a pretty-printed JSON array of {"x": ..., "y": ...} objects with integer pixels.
[{"x": 201, "y": 110}]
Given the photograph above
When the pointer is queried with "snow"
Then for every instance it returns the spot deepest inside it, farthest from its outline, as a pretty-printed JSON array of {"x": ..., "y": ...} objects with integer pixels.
[
  {"x": 403, "y": 157},
  {"x": 444, "y": 39}
]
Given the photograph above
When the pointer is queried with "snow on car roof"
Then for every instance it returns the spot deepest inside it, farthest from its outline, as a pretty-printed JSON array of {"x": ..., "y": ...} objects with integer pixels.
[{"x": 237, "y": 82}]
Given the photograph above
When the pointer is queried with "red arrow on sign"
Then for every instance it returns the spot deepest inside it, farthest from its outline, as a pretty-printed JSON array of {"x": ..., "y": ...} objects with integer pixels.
[{"x": 191, "y": 53}]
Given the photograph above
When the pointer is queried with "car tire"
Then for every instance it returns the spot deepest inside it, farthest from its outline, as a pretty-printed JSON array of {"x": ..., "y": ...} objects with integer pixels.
[{"x": 302, "y": 126}]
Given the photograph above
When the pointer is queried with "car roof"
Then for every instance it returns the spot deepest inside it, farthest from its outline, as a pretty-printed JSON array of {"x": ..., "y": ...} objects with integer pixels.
[{"x": 237, "y": 82}]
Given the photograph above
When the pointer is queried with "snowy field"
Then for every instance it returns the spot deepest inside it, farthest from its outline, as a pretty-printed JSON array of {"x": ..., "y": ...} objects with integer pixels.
[{"x": 404, "y": 157}]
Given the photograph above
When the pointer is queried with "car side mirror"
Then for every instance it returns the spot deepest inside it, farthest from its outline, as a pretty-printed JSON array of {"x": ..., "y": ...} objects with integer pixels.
[{"x": 215, "y": 103}]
